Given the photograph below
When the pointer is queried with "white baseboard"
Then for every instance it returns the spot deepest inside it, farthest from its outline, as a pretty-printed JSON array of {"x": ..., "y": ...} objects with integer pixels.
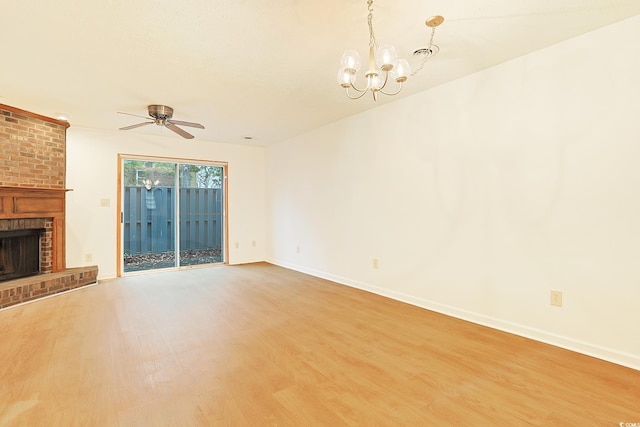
[{"x": 610, "y": 355}]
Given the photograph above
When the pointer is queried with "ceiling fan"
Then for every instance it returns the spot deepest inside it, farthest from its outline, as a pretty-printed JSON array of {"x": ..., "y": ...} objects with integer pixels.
[{"x": 161, "y": 115}]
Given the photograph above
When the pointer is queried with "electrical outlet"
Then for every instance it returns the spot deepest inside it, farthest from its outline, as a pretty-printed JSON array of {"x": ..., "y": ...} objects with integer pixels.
[
  {"x": 88, "y": 257},
  {"x": 253, "y": 243},
  {"x": 298, "y": 249},
  {"x": 556, "y": 298},
  {"x": 237, "y": 245},
  {"x": 105, "y": 203},
  {"x": 375, "y": 263}
]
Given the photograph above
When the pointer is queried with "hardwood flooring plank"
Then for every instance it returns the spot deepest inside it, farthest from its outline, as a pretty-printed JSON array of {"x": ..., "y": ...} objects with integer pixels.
[{"x": 260, "y": 345}]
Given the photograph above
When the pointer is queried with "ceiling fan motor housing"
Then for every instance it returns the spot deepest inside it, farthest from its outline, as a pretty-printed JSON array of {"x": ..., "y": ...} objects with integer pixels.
[{"x": 160, "y": 112}]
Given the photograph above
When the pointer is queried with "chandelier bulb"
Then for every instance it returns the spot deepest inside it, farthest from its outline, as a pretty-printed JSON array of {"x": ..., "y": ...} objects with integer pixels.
[
  {"x": 345, "y": 78},
  {"x": 386, "y": 57},
  {"x": 350, "y": 61},
  {"x": 402, "y": 70}
]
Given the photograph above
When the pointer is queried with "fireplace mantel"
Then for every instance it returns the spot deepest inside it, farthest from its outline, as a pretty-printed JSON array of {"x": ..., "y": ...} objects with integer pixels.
[{"x": 25, "y": 202}]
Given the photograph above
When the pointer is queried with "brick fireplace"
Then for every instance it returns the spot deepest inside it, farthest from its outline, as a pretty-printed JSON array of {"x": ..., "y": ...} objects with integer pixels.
[{"x": 32, "y": 199}]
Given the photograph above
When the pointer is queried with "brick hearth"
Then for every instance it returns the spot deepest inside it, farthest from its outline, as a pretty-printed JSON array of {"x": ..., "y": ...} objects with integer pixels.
[
  {"x": 14, "y": 292},
  {"x": 32, "y": 195}
]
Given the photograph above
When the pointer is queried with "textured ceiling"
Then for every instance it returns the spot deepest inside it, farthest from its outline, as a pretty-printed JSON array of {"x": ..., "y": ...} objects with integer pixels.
[{"x": 265, "y": 69}]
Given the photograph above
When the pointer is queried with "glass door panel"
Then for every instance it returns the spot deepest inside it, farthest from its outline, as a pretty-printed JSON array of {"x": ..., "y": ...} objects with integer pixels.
[
  {"x": 148, "y": 215},
  {"x": 201, "y": 214}
]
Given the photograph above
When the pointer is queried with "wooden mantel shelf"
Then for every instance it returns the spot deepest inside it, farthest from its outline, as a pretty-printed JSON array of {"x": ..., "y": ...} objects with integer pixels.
[
  {"x": 25, "y": 202},
  {"x": 28, "y": 202}
]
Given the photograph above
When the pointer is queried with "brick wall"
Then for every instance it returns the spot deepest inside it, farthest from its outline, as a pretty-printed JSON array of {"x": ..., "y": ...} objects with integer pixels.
[{"x": 33, "y": 149}]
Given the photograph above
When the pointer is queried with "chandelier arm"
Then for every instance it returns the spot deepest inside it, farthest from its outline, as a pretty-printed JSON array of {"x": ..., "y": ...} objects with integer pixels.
[
  {"x": 384, "y": 83},
  {"x": 361, "y": 93},
  {"x": 386, "y": 80},
  {"x": 392, "y": 93},
  {"x": 354, "y": 87}
]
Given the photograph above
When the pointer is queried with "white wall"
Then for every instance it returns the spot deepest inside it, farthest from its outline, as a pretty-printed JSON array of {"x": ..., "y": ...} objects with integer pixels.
[
  {"x": 92, "y": 164},
  {"x": 480, "y": 196}
]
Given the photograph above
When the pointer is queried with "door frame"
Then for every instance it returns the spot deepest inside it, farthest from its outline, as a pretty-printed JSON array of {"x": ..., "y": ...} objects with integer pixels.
[{"x": 120, "y": 207}]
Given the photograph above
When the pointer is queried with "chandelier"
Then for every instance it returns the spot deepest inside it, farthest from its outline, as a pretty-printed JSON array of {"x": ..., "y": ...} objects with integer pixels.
[
  {"x": 148, "y": 184},
  {"x": 384, "y": 64}
]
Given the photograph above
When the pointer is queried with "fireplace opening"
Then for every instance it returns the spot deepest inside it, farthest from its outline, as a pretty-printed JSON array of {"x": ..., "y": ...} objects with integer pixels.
[{"x": 19, "y": 253}]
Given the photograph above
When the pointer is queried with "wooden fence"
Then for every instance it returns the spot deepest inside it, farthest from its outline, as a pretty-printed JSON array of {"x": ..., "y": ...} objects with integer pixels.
[{"x": 149, "y": 219}]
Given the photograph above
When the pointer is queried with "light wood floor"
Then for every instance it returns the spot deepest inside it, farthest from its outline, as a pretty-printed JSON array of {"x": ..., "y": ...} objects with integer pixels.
[{"x": 259, "y": 345}]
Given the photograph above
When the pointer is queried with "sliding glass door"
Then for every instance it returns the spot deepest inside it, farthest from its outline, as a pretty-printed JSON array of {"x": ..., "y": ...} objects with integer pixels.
[{"x": 172, "y": 214}]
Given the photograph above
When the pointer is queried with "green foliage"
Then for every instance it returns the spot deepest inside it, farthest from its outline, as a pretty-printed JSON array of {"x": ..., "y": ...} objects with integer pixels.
[
  {"x": 191, "y": 175},
  {"x": 136, "y": 170}
]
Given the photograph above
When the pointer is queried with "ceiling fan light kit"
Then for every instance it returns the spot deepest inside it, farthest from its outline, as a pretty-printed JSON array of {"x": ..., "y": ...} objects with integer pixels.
[
  {"x": 162, "y": 115},
  {"x": 384, "y": 64}
]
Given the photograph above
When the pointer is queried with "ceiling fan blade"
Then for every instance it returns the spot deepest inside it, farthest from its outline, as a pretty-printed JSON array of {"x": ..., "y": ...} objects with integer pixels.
[
  {"x": 179, "y": 131},
  {"x": 136, "y": 125},
  {"x": 134, "y": 115},
  {"x": 181, "y": 123}
]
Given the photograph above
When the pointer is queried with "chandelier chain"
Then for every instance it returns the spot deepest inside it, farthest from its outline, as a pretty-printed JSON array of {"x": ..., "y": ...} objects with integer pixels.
[
  {"x": 372, "y": 38},
  {"x": 433, "y": 31},
  {"x": 426, "y": 56}
]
